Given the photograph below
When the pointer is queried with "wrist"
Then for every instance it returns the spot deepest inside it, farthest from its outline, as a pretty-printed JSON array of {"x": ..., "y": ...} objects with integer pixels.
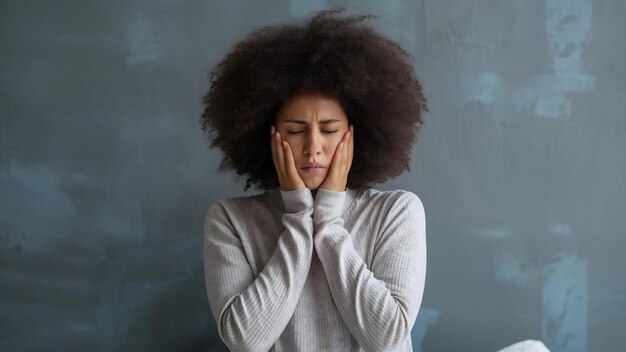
[
  {"x": 328, "y": 205},
  {"x": 334, "y": 188},
  {"x": 297, "y": 200}
]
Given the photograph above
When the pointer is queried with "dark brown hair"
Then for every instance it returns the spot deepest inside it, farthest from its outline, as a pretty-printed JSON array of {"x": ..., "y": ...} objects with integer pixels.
[{"x": 371, "y": 77}]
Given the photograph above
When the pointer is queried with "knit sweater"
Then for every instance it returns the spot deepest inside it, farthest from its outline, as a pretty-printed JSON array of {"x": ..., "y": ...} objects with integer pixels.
[{"x": 343, "y": 271}]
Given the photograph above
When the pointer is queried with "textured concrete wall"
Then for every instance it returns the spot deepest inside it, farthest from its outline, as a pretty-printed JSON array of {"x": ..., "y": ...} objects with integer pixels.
[{"x": 105, "y": 176}]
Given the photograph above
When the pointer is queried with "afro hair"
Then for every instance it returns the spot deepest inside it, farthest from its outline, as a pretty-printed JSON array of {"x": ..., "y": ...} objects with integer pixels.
[{"x": 370, "y": 76}]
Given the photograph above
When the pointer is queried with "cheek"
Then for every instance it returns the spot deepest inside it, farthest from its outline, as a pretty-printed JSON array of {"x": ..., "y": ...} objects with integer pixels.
[
  {"x": 296, "y": 146},
  {"x": 331, "y": 146},
  {"x": 293, "y": 142}
]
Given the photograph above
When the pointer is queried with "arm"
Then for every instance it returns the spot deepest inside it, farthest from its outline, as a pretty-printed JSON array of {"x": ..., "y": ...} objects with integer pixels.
[
  {"x": 378, "y": 304},
  {"x": 251, "y": 313}
]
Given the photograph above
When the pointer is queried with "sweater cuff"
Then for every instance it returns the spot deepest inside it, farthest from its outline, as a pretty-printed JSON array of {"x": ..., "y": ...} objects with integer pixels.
[
  {"x": 297, "y": 200},
  {"x": 328, "y": 205}
]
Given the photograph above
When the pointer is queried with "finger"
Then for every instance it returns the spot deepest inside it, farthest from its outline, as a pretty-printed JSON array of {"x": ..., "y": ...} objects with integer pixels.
[
  {"x": 280, "y": 157},
  {"x": 292, "y": 169},
  {"x": 342, "y": 160},
  {"x": 346, "y": 149},
  {"x": 275, "y": 158},
  {"x": 290, "y": 164},
  {"x": 278, "y": 164},
  {"x": 335, "y": 170},
  {"x": 344, "y": 153},
  {"x": 351, "y": 147}
]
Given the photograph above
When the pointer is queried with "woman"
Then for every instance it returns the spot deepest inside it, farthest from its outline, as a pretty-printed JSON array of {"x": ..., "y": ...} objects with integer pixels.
[{"x": 319, "y": 261}]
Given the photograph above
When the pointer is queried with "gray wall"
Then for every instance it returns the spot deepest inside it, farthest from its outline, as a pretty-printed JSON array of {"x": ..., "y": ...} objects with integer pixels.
[{"x": 105, "y": 176}]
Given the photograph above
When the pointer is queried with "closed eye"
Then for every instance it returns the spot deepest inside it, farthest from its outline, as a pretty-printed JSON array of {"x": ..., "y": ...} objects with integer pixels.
[{"x": 298, "y": 132}]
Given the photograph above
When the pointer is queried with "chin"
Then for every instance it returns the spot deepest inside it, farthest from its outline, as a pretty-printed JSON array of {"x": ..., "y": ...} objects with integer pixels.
[
  {"x": 313, "y": 182},
  {"x": 313, "y": 185}
]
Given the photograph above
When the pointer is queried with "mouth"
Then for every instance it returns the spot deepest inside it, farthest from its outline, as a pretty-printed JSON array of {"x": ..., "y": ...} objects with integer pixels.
[{"x": 313, "y": 169}]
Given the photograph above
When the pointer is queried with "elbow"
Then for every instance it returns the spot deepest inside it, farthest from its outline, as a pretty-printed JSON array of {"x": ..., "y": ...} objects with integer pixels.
[
  {"x": 237, "y": 338},
  {"x": 240, "y": 346},
  {"x": 395, "y": 333},
  {"x": 398, "y": 328},
  {"x": 396, "y": 339},
  {"x": 232, "y": 340},
  {"x": 239, "y": 343}
]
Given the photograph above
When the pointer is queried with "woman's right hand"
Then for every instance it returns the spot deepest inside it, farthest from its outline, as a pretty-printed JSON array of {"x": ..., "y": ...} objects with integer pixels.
[{"x": 288, "y": 176}]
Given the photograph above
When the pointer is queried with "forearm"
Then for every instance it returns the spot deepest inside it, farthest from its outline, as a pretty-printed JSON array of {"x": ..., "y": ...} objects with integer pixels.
[
  {"x": 256, "y": 317},
  {"x": 379, "y": 304},
  {"x": 252, "y": 310},
  {"x": 376, "y": 317}
]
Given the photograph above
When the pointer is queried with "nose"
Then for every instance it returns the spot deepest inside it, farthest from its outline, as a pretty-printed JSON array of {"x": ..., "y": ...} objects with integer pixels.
[{"x": 313, "y": 143}]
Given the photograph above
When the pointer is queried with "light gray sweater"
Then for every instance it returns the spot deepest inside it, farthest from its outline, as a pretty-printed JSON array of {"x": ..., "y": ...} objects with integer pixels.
[{"x": 343, "y": 271}]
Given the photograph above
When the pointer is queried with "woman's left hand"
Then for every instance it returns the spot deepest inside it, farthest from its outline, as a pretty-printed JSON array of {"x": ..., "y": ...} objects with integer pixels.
[{"x": 337, "y": 177}]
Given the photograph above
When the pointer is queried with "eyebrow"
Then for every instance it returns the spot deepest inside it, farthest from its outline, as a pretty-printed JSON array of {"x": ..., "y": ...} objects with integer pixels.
[{"x": 302, "y": 122}]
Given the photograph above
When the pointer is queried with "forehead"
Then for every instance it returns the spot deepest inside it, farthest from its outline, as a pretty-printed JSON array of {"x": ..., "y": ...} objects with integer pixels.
[{"x": 311, "y": 106}]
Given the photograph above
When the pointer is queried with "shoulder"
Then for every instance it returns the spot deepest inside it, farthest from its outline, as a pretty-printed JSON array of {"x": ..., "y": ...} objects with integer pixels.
[
  {"x": 237, "y": 206},
  {"x": 390, "y": 199},
  {"x": 385, "y": 207}
]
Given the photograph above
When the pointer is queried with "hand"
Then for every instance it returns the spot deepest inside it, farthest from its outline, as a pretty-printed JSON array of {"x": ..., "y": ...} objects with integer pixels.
[
  {"x": 337, "y": 177},
  {"x": 288, "y": 176}
]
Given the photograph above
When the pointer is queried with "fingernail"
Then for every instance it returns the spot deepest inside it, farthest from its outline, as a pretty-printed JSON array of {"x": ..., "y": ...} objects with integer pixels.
[
  {"x": 272, "y": 129},
  {"x": 277, "y": 135}
]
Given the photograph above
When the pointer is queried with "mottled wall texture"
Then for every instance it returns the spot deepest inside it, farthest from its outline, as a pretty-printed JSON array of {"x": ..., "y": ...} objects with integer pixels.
[{"x": 105, "y": 176}]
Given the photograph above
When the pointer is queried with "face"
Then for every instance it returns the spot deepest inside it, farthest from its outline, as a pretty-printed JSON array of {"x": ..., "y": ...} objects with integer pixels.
[{"x": 313, "y": 126}]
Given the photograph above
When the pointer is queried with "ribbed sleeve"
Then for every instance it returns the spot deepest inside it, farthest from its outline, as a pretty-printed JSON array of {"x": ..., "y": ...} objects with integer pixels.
[
  {"x": 379, "y": 305},
  {"x": 252, "y": 312}
]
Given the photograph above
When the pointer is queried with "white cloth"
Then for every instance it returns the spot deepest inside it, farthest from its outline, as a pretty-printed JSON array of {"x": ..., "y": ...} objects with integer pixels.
[{"x": 342, "y": 272}]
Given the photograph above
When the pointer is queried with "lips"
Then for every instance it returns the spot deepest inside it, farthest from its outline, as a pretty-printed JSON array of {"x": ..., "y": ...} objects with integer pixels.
[{"x": 313, "y": 168}]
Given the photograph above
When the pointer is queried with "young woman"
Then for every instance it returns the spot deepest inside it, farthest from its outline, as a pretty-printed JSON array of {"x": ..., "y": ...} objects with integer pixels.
[{"x": 314, "y": 115}]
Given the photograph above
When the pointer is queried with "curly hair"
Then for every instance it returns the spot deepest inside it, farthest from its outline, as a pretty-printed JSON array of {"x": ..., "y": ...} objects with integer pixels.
[{"x": 369, "y": 75}]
